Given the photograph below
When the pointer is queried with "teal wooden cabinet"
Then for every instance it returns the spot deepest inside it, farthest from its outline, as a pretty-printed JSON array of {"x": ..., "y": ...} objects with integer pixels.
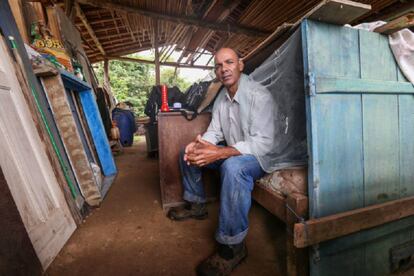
[{"x": 360, "y": 129}]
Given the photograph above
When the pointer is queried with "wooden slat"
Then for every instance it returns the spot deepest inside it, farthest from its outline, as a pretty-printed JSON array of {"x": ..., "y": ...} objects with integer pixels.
[
  {"x": 381, "y": 140},
  {"x": 172, "y": 64},
  {"x": 355, "y": 85},
  {"x": 340, "y": 12},
  {"x": 297, "y": 259},
  {"x": 336, "y": 157},
  {"x": 157, "y": 54},
  {"x": 330, "y": 227},
  {"x": 406, "y": 151},
  {"x": 45, "y": 70},
  {"x": 380, "y": 113},
  {"x": 334, "y": 135},
  {"x": 53, "y": 22},
  {"x": 91, "y": 32},
  {"x": 18, "y": 14},
  {"x": 405, "y": 21}
]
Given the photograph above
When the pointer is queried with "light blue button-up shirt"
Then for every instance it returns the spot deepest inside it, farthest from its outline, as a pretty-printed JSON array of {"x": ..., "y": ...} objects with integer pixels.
[{"x": 245, "y": 122}]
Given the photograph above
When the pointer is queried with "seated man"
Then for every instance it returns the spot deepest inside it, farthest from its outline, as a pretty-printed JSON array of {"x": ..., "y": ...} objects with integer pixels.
[{"x": 243, "y": 118}]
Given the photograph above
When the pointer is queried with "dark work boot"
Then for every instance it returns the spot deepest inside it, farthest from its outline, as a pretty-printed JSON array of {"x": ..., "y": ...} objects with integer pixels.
[
  {"x": 223, "y": 261},
  {"x": 189, "y": 210}
]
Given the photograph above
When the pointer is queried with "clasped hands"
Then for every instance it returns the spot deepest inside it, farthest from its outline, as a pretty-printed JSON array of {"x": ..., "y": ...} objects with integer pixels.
[{"x": 200, "y": 152}]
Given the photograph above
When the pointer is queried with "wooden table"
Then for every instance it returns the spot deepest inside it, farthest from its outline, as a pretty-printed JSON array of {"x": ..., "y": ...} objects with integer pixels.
[{"x": 174, "y": 133}]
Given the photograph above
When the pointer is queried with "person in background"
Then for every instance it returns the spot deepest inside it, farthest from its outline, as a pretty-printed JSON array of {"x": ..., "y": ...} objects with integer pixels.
[{"x": 242, "y": 117}]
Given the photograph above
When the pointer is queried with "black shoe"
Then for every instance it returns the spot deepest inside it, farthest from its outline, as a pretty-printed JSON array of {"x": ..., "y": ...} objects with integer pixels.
[
  {"x": 189, "y": 210},
  {"x": 223, "y": 261}
]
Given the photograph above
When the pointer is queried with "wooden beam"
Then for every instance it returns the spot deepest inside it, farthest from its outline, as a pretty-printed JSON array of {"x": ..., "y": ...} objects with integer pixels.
[
  {"x": 277, "y": 33},
  {"x": 133, "y": 45},
  {"x": 296, "y": 258},
  {"x": 330, "y": 227},
  {"x": 18, "y": 14},
  {"x": 69, "y": 9},
  {"x": 391, "y": 12},
  {"x": 157, "y": 54},
  {"x": 232, "y": 28},
  {"x": 172, "y": 64},
  {"x": 53, "y": 22},
  {"x": 122, "y": 50},
  {"x": 405, "y": 21},
  {"x": 91, "y": 32}
]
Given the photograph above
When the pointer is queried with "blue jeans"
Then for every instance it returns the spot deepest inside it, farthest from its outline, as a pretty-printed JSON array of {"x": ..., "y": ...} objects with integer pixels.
[{"x": 237, "y": 174}]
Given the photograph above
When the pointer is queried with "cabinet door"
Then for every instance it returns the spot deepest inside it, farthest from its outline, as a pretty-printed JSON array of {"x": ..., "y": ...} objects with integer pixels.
[{"x": 28, "y": 172}]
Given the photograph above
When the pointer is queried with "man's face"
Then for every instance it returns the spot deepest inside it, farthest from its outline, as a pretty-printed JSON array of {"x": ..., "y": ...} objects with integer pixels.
[{"x": 228, "y": 67}]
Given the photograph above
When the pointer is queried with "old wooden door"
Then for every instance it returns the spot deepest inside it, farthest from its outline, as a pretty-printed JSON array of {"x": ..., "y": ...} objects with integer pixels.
[
  {"x": 28, "y": 172},
  {"x": 360, "y": 129}
]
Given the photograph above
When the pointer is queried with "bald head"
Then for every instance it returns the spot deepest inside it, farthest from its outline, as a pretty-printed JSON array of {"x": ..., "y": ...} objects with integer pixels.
[
  {"x": 228, "y": 51},
  {"x": 228, "y": 67}
]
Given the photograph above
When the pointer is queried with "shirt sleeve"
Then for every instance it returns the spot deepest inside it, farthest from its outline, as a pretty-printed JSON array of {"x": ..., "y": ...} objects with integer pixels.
[
  {"x": 214, "y": 133},
  {"x": 260, "y": 135}
]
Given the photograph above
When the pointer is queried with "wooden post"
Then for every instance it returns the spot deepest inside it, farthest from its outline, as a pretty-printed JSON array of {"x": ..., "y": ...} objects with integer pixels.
[
  {"x": 297, "y": 259},
  {"x": 106, "y": 73},
  {"x": 18, "y": 14},
  {"x": 157, "y": 55}
]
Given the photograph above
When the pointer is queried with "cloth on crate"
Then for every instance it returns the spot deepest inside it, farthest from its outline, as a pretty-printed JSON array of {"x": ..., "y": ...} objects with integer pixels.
[
  {"x": 402, "y": 46},
  {"x": 287, "y": 181}
]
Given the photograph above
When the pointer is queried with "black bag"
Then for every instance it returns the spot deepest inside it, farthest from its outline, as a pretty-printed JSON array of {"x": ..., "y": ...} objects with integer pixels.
[{"x": 194, "y": 96}]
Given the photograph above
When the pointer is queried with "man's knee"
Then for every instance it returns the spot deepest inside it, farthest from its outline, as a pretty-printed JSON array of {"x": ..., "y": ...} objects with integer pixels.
[{"x": 232, "y": 167}]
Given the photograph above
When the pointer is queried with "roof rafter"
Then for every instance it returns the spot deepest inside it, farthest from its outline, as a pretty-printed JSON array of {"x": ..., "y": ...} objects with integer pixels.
[
  {"x": 172, "y": 64},
  {"x": 232, "y": 28},
  {"x": 88, "y": 27}
]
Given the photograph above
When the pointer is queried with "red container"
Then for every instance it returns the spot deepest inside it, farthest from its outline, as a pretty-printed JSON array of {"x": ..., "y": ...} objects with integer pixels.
[{"x": 164, "y": 99}]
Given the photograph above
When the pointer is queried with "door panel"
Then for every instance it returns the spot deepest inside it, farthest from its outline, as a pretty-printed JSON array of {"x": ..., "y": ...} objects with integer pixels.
[{"x": 28, "y": 172}]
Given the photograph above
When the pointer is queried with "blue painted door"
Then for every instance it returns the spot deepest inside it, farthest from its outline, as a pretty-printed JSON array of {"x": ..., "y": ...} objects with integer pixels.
[
  {"x": 93, "y": 118},
  {"x": 360, "y": 125}
]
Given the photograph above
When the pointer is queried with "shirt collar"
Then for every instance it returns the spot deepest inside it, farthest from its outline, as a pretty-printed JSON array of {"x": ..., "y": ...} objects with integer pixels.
[{"x": 240, "y": 90}]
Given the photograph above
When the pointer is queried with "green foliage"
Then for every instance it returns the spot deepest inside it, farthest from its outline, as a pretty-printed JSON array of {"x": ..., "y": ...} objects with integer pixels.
[{"x": 131, "y": 81}]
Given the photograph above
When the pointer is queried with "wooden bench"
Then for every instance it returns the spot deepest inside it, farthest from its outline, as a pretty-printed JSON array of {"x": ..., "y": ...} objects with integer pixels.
[{"x": 288, "y": 209}]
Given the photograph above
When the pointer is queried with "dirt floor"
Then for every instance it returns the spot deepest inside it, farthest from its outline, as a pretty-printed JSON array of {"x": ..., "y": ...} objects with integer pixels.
[{"x": 130, "y": 235}]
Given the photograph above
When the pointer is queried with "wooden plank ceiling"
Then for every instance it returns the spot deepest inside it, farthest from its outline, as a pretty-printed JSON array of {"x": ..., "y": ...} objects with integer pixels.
[{"x": 121, "y": 27}]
